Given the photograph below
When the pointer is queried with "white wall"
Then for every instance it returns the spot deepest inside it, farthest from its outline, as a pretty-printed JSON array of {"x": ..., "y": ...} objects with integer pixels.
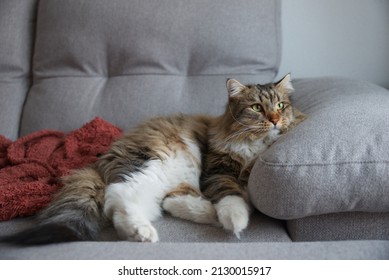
[{"x": 336, "y": 37}]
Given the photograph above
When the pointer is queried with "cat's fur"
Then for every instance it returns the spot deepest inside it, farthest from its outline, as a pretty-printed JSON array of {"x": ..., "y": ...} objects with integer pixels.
[{"x": 195, "y": 167}]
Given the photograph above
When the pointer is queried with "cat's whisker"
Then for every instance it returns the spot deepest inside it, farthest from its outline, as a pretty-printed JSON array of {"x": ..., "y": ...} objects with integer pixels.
[{"x": 237, "y": 134}]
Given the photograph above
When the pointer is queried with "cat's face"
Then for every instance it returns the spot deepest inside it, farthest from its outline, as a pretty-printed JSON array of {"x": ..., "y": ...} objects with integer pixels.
[{"x": 258, "y": 110}]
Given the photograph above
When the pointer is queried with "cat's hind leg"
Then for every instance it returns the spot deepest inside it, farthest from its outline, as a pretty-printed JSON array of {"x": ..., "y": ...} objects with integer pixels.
[
  {"x": 127, "y": 225},
  {"x": 186, "y": 202},
  {"x": 131, "y": 210}
]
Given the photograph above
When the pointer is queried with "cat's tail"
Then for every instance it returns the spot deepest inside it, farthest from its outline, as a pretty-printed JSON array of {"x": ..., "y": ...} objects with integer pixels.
[{"x": 76, "y": 213}]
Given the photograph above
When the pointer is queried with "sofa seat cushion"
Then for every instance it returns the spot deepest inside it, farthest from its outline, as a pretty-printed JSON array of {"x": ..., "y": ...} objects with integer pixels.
[
  {"x": 340, "y": 226},
  {"x": 335, "y": 250},
  {"x": 172, "y": 230},
  {"x": 335, "y": 161}
]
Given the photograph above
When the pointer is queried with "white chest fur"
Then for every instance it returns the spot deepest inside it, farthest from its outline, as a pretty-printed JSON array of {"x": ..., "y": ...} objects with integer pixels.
[
  {"x": 248, "y": 151},
  {"x": 251, "y": 150}
]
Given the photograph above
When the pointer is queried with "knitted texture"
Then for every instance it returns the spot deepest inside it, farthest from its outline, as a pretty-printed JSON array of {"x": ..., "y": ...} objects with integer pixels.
[{"x": 31, "y": 167}]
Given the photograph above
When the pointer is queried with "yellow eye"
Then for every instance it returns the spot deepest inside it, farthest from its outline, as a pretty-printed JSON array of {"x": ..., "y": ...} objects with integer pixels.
[
  {"x": 256, "y": 108},
  {"x": 280, "y": 106}
]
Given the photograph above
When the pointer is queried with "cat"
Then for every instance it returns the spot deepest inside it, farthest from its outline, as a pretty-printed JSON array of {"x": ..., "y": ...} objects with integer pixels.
[
  {"x": 255, "y": 117},
  {"x": 193, "y": 167}
]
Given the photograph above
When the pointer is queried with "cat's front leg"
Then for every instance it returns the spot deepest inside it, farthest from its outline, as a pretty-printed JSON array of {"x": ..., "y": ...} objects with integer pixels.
[
  {"x": 230, "y": 201},
  {"x": 233, "y": 213}
]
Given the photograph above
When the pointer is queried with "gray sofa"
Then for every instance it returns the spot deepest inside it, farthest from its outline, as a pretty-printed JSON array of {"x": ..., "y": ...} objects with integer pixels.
[{"x": 320, "y": 192}]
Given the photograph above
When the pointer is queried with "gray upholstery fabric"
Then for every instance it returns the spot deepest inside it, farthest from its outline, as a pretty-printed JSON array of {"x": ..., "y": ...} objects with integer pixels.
[
  {"x": 340, "y": 226},
  {"x": 335, "y": 161},
  {"x": 264, "y": 239},
  {"x": 260, "y": 229},
  {"x": 349, "y": 250},
  {"x": 129, "y": 60},
  {"x": 16, "y": 37}
]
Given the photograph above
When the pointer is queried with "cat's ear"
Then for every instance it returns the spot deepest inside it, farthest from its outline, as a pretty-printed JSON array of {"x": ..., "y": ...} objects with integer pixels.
[
  {"x": 234, "y": 87},
  {"x": 285, "y": 84}
]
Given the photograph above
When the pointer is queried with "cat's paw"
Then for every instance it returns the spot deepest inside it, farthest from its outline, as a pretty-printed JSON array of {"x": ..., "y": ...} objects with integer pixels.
[
  {"x": 192, "y": 208},
  {"x": 141, "y": 233},
  {"x": 135, "y": 228},
  {"x": 174, "y": 205},
  {"x": 233, "y": 213},
  {"x": 146, "y": 233}
]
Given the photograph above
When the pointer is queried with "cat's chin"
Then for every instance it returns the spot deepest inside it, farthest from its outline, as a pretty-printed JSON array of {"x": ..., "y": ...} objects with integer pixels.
[{"x": 274, "y": 132}]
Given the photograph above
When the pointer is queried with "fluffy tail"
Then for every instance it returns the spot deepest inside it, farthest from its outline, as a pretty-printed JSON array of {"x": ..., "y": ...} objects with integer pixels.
[
  {"x": 76, "y": 213},
  {"x": 44, "y": 234}
]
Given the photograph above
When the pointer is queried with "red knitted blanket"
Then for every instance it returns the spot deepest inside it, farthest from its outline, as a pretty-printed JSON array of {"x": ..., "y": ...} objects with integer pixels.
[{"x": 30, "y": 168}]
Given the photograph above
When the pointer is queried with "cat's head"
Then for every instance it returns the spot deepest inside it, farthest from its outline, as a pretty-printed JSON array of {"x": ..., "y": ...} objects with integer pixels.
[{"x": 257, "y": 110}]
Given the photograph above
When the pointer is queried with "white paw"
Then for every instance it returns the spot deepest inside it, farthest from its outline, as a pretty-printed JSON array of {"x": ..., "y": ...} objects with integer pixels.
[
  {"x": 172, "y": 205},
  {"x": 138, "y": 231},
  {"x": 192, "y": 208},
  {"x": 233, "y": 213},
  {"x": 145, "y": 233}
]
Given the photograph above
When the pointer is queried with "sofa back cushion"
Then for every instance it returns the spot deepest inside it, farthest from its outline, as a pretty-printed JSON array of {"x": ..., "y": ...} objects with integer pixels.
[
  {"x": 17, "y": 24},
  {"x": 129, "y": 60}
]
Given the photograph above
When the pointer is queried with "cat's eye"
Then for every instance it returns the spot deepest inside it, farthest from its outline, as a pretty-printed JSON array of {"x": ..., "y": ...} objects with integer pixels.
[
  {"x": 280, "y": 106},
  {"x": 256, "y": 108}
]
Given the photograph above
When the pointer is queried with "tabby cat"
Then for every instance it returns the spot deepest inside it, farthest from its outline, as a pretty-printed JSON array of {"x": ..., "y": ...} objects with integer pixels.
[{"x": 193, "y": 167}]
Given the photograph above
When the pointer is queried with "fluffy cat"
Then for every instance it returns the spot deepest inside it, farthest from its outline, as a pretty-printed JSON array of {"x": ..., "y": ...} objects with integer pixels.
[
  {"x": 255, "y": 117},
  {"x": 195, "y": 167}
]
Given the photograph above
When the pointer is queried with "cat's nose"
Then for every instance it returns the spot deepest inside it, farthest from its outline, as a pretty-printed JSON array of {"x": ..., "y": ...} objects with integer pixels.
[
  {"x": 274, "y": 118},
  {"x": 274, "y": 121}
]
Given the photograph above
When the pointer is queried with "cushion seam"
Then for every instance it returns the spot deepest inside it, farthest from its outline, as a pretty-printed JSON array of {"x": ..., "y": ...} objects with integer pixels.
[
  {"x": 322, "y": 164},
  {"x": 147, "y": 74}
]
